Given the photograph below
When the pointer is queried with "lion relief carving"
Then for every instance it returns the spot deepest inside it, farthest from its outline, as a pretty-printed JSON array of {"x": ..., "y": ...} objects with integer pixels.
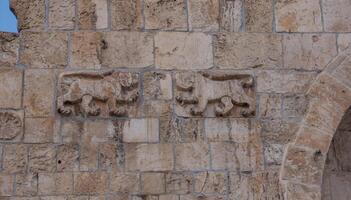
[
  {"x": 81, "y": 92},
  {"x": 214, "y": 93}
]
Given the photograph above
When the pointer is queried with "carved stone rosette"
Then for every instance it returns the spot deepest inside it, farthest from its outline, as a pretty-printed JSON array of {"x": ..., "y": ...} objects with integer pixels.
[
  {"x": 92, "y": 93},
  {"x": 11, "y": 124},
  {"x": 214, "y": 94}
]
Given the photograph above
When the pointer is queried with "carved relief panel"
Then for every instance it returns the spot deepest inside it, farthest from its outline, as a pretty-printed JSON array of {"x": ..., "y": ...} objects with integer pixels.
[
  {"x": 91, "y": 93},
  {"x": 214, "y": 94},
  {"x": 11, "y": 125}
]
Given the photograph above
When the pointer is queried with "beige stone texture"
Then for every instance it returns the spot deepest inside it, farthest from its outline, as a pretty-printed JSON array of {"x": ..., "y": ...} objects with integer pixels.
[
  {"x": 9, "y": 49},
  {"x": 44, "y": 49},
  {"x": 108, "y": 156},
  {"x": 343, "y": 41},
  {"x": 149, "y": 157},
  {"x": 204, "y": 15},
  {"x": 336, "y": 15},
  {"x": 302, "y": 192},
  {"x": 90, "y": 183},
  {"x": 39, "y": 92},
  {"x": 39, "y": 130},
  {"x": 165, "y": 14},
  {"x": 126, "y": 15},
  {"x": 179, "y": 183},
  {"x": 67, "y": 157},
  {"x": 30, "y": 14},
  {"x": 124, "y": 182},
  {"x": 14, "y": 158},
  {"x": 26, "y": 184},
  {"x": 179, "y": 50},
  {"x": 153, "y": 183},
  {"x": 92, "y": 14},
  {"x": 298, "y": 16},
  {"x": 233, "y": 129},
  {"x": 295, "y": 105},
  {"x": 192, "y": 156},
  {"x": 157, "y": 85},
  {"x": 258, "y": 15},
  {"x": 309, "y": 51},
  {"x": 141, "y": 130},
  {"x": 168, "y": 197},
  {"x": 42, "y": 158},
  {"x": 201, "y": 196},
  {"x": 6, "y": 185},
  {"x": 343, "y": 71},
  {"x": 231, "y": 17},
  {"x": 11, "y": 128},
  {"x": 312, "y": 138},
  {"x": 242, "y": 51},
  {"x": 210, "y": 182},
  {"x": 71, "y": 131},
  {"x": 61, "y": 14},
  {"x": 270, "y": 105},
  {"x": 10, "y": 88}
]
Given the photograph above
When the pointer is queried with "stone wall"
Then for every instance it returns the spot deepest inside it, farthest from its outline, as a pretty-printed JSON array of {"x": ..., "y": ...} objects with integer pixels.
[{"x": 158, "y": 99}]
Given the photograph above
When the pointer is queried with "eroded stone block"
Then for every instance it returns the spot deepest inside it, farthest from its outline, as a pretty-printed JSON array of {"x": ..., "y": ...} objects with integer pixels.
[
  {"x": 26, "y": 184},
  {"x": 203, "y": 15},
  {"x": 219, "y": 129},
  {"x": 179, "y": 183},
  {"x": 67, "y": 158},
  {"x": 61, "y": 14},
  {"x": 10, "y": 88},
  {"x": 39, "y": 130},
  {"x": 92, "y": 14},
  {"x": 258, "y": 15},
  {"x": 6, "y": 185},
  {"x": 9, "y": 49},
  {"x": 15, "y": 158},
  {"x": 30, "y": 14},
  {"x": 11, "y": 125},
  {"x": 141, "y": 130},
  {"x": 210, "y": 182},
  {"x": 157, "y": 85},
  {"x": 90, "y": 183},
  {"x": 214, "y": 93},
  {"x": 124, "y": 182},
  {"x": 153, "y": 183},
  {"x": 42, "y": 158},
  {"x": 192, "y": 156},
  {"x": 270, "y": 105},
  {"x": 126, "y": 15}
]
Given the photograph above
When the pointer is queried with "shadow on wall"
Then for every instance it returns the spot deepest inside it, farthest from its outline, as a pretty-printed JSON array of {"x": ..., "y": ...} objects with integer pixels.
[{"x": 8, "y": 21}]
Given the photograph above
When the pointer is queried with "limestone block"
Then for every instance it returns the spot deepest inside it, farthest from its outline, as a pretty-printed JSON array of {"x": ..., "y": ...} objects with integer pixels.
[
  {"x": 203, "y": 15},
  {"x": 126, "y": 15},
  {"x": 67, "y": 157},
  {"x": 295, "y": 105},
  {"x": 141, "y": 130},
  {"x": 302, "y": 192},
  {"x": 343, "y": 71},
  {"x": 179, "y": 50},
  {"x": 179, "y": 183},
  {"x": 270, "y": 105},
  {"x": 202, "y": 196},
  {"x": 39, "y": 130},
  {"x": 214, "y": 93},
  {"x": 210, "y": 182},
  {"x": 92, "y": 14},
  {"x": 168, "y": 197},
  {"x": 344, "y": 41},
  {"x": 95, "y": 93},
  {"x": 6, "y": 185},
  {"x": 11, "y": 125},
  {"x": 157, "y": 85},
  {"x": 71, "y": 131},
  {"x": 9, "y": 49},
  {"x": 10, "y": 88},
  {"x": 156, "y": 108},
  {"x": 233, "y": 129},
  {"x": 15, "y": 158},
  {"x": 279, "y": 131},
  {"x": 38, "y": 92},
  {"x": 192, "y": 156},
  {"x": 42, "y": 158},
  {"x": 30, "y": 14},
  {"x": 273, "y": 153},
  {"x": 166, "y": 15},
  {"x": 149, "y": 157},
  {"x": 258, "y": 15},
  {"x": 336, "y": 15},
  {"x": 26, "y": 184},
  {"x": 124, "y": 182},
  {"x": 309, "y": 51},
  {"x": 61, "y": 14},
  {"x": 107, "y": 155},
  {"x": 55, "y": 183},
  {"x": 231, "y": 15},
  {"x": 44, "y": 49},
  {"x": 90, "y": 183},
  {"x": 313, "y": 138},
  {"x": 298, "y": 16},
  {"x": 240, "y": 51},
  {"x": 153, "y": 183}
]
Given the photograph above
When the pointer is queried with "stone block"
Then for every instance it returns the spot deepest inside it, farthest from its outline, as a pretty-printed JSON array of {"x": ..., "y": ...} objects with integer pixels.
[
  {"x": 343, "y": 71},
  {"x": 124, "y": 182},
  {"x": 298, "y": 16},
  {"x": 336, "y": 15},
  {"x": 202, "y": 196},
  {"x": 157, "y": 85},
  {"x": 42, "y": 158},
  {"x": 153, "y": 183},
  {"x": 126, "y": 15},
  {"x": 14, "y": 158},
  {"x": 26, "y": 184},
  {"x": 203, "y": 15},
  {"x": 61, "y": 14},
  {"x": 44, "y": 49},
  {"x": 179, "y": 50},
  {"x": 166, "y": 15},
  {"x": 314, "y": 139},
  {"x": 270, "y": 105},
  {"x": 39, "y": 91},
  {"x": 149, "y": 157},
  {"x": 6, "y": 185},
  {"x": 108, "y": 155},
  {"x": 219, "y": 129},
  {"x": 210, "y": 182},
  {"x": 295, "y": 105},
  {"x": 258, "y": 15},
  {"x": 39, "y": 130},
  {"x": 231, "y": 17},
  {"x": 168, "y": 197},
  {"x": 179, "y": 183},
  {"x": 343, "y": 41},
  {"x": 92, "y": 14},
  {"x": 90, "y": 183},
  {"x": 67, "y": 157},
  {"x": 302, "y": 192},
  {"x": 10, "y": 88},
  {"x": 11, "y": 125},
  {"x": 156, "y": 108},
  {"x": 141, "y": 130},
  {"x": 9, "y": 49},
  {"x": 242, "y": 51},
  {"x": 30, "y": 14},
  {"x": 192, "y": 156}
]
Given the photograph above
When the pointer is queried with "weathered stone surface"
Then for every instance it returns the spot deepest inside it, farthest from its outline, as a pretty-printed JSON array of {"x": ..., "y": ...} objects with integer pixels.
[
  {"x": 11, "y": 125},
  {"x": 61, "y": 14},
  {"x": 6, "y": 185},
  {"x": 44, "y": 50},
  {"x": 97, "y": 93},
  {"x": 218, "y": 129},
  {"x": 26, "y": 184},
  {"x": 284, "y": 81},
  {"x": 55, "y": 184},
  {"x": 92, "y": 14},
  {"x": 204, "y": 15},
  {"x": 179, "y": 183},
  {"x": 153, "y": 183},
  {"x": 239, "y": 51},
  {"x": 11, "y": 86},
  {"x": 231, "y": 15},
  {"x": 71, "y": 131},
  {"x": 273, "y": 153},
  {"x": 141, "y": 130},
  {"x": 178, "y": 50},
  {"x": 30, "y": 14},
  {"x": 39, "y": 130},
  {"x": 192, "y": 156},
  {"x": 295, "y": 105},
  {"x": 67, "y": 158},
  {"x": 201, "y": 196},
  {"x": 270, "y": 105},
  {"x": 15, "y": 158},
  {"x": 210, "y": 182},
  {"x": 344, "y": 41},
  {"x": 302, "y": 192},
  {"x": 90, "y": 182},
  {"x": 42, "y": 158},
  {"x": 124, "y": 182},
  {"x": 258, "y": 15},
  {"x": 343, "y": 71},
  {"x": 168, "y": 197},
  {"x": 157, "y": 85},
  {"x": 165, "y": 14},
  {"x": 149, "y": 157},
  {"x": 336, "y": 15},
  {"x": 313, "y": 138},
  {"x": 298, "y": 16},
  {"x": 9, "y": 49},
  {"x": 126, "y": 15},
  {"x": 214, "y": 93},
  {"x": 38, "y": 92},
  {"x": 309, "y": 51}
]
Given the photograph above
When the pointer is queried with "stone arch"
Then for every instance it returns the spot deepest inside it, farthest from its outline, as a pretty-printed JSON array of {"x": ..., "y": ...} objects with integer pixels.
[{"x": 304, "y": 159}]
